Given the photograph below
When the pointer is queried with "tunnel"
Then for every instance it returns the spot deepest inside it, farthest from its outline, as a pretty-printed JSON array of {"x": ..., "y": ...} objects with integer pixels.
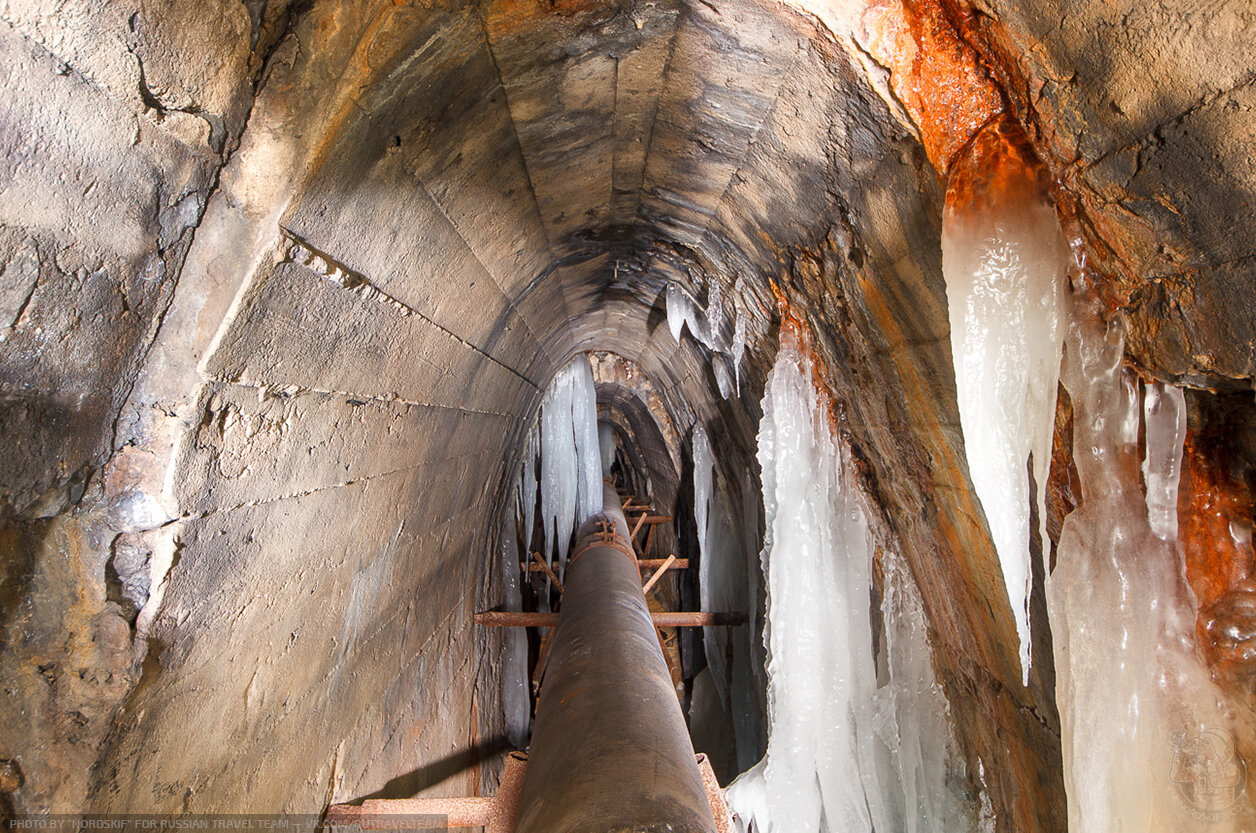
[{"x": 287, "y": 283}]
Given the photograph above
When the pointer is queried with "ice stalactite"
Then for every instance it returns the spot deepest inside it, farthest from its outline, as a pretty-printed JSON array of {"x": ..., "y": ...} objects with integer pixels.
[
  {"x": 1144, "y": 729},
  {"x": 913, "y": 715},
  {"x": 1005, "y": 259},
  {"x": 738, "y": 348},
  {"x": 827, "y": 767},
  {"x": 1165, "y": 420},
  {"x": 682, "y": 312},
  {"x": 526, "y": 494},
  {"x": 606, "y": 442},
  {"x": 723, "y": 381},
  {"x": 570, "y": 457},
  {"x": 709, "y": 562},
  {"x": 703, "y": 473},
  {"x": 725, "y": 579},
  {"x": 515, "y": 701},
  {"x": 708, "y": 330}
]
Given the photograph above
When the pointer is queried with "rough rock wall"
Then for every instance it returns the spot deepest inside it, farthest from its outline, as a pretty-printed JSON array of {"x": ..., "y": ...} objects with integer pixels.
[
  {"x": 1145, "y": 110},
  {"x": 112, "y": 145},
  {"x": 334, "y": 474},
  {"x": 259, "y": 484}
]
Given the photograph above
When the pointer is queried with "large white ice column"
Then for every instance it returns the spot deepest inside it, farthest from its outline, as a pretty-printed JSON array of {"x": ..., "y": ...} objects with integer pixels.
[
  {"x": 569, "y": 456},
  {"x": 832, "y": 738},
  {"x": 1005, "y": 259},
  {"x": 1143, "y": 728}
]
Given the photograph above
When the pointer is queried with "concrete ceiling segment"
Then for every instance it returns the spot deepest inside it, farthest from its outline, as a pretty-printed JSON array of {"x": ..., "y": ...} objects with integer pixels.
[
  {"x": 423, "y": 190},
  {"x": 527, "y": 177},
  {"x": 722, "y": 82},
  {"x": 567, "y": 79}
]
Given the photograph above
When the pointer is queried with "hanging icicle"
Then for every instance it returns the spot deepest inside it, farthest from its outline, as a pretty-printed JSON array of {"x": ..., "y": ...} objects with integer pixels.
[{"x": 1004, "y": 258}]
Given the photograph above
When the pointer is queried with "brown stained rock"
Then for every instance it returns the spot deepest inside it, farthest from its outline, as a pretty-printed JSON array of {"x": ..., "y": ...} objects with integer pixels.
[
  {"x": 64, "y": 681},
  {"x": 1143, "y": 115},
  {"x": 10, "y": 777},
  {"x": 934, "y": 72},
  {"x": 1216, "y": 513},
  {"x": 1063, "y": 484}
]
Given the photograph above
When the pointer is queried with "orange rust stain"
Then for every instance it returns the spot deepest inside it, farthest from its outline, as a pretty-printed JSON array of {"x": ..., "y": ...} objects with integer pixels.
[
  {"x": 1215, "y": 511},
  {"x": 1212, "y": 506},
  {"x": 1226, "y": 632},
  {"x": 794, "y": 327},
  {"x": 363, "y": 68},
  {"x": 503, "y": 16},
  {"x": 938, "y": 77},
  {"x": 998, "y": 168}
]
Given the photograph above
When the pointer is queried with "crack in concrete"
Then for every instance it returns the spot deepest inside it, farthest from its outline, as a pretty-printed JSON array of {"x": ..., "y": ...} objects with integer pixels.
[
  {"x": 509, "y": 305},
  {"x": 523, "y": 157},
  {"x": 303, "y": 253},
  {"x": 351, "y": 397},
  {"x": 200, "y": 516}
]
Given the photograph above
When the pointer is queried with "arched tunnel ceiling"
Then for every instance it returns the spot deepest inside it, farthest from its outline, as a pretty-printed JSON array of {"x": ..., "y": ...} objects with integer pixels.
[{"x": 567, "y": 165}]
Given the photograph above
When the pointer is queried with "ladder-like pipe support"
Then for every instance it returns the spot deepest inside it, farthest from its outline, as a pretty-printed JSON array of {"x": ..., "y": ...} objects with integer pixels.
[{"x": 610, "y": 751}]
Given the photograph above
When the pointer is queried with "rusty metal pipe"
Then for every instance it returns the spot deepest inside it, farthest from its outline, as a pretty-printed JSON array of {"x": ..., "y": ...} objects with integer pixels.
[
  {"x": 610, "y": 751},
  {"x": 643, "y": 563},
  {"x": 662, "y": 619}
]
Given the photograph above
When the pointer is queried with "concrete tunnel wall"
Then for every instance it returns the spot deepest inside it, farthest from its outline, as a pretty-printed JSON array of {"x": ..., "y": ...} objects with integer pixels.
[{"x": 294, "y": 281}]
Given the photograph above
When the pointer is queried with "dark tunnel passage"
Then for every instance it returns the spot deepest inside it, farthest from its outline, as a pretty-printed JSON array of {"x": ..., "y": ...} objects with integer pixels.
[{"x": 296, "y": 277}]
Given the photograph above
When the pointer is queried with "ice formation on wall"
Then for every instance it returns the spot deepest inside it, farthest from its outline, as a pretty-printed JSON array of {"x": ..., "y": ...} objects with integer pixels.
[
  {"x": 1140, "y": 716},
  {"x": 727, "y": 570},
  {"x": 913, "y": 715},
  {"x": 606, "y": 442},
  {"x": 1005, "y": 259},
  {"x": 682, "y": 312},
  {"x": 568, "y": 455},
  {"x": 708, "y": 330},
  {"x": 1164, "y": 418},
  {"x": 723, "y": 381},
  {"x": 703, "y": 473},
  {"x": 738, "y": 348},
  {"x": 515, "y": 701},
  {"x": 828, "y": 767},
  {"x": 526, "y": 495}
]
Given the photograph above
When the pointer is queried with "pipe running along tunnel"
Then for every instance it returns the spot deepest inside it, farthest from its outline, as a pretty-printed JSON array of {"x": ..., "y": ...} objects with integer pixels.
[{"x": 926, "y": 327}]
